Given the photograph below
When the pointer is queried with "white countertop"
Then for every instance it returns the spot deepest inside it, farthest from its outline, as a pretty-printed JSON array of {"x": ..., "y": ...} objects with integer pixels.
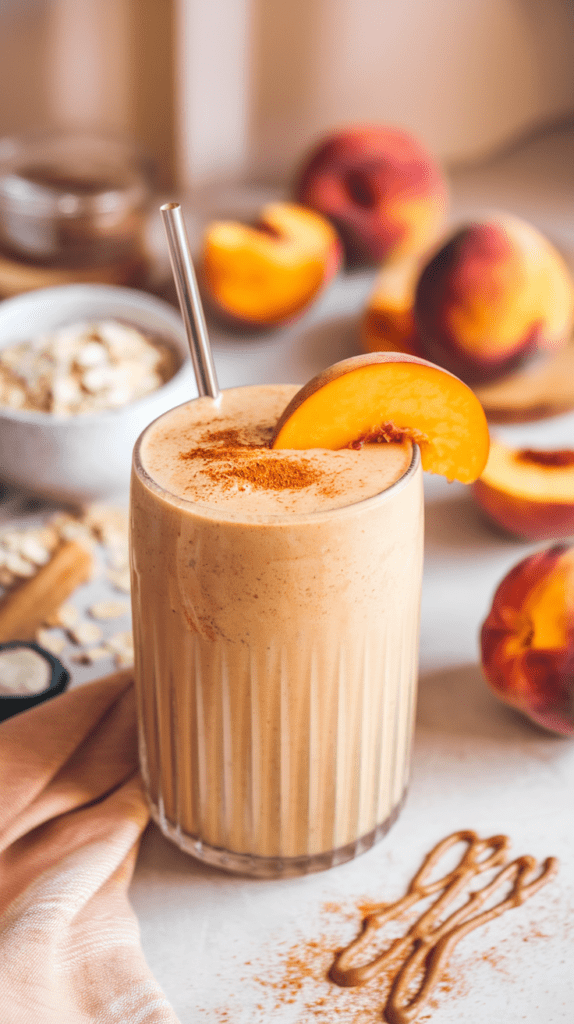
[
  {"x": 223, "y": 947},
  {"x": 227, "y": 949}
]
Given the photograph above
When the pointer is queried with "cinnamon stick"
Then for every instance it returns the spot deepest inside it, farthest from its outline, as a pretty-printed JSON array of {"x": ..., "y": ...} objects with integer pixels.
[{"x": 26, "y": 607}]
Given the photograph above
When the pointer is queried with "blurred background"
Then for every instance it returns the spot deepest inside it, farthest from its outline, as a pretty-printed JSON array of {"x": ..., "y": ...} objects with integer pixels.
[{"x": 236, "y": 90}]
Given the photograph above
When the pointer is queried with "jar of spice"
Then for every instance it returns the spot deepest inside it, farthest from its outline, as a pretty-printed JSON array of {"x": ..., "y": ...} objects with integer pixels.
[{"x": 73, "y": 207}]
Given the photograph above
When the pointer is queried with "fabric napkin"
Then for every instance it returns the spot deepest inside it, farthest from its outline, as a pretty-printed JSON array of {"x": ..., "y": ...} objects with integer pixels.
[{"x": 71, "y": 815}]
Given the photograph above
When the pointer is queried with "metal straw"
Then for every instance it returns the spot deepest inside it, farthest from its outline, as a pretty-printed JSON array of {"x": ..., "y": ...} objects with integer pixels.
[{"x": 189, "y": 300}]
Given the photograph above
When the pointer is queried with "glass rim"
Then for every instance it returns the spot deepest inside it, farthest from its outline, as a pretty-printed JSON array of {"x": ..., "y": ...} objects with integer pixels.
[{"x": 271, "y": 519}]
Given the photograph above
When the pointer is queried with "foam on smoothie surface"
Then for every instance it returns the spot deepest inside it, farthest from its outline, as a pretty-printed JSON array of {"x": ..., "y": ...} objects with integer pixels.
[{"x": 220, "y": 457}]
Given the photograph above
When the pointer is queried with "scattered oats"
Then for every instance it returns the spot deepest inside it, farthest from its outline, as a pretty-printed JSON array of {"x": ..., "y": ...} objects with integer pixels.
[
  {"x": 120, "y": 578},
  {"x": 19, "y": 567},
  {"x": 11, "y": 540},
  {"x": 76, "y": 531},
  {"x": 119, "y": 559},
  {"x": 121, "y": 642},
  {"x": 109, "y": 524},
  {"x": 66, "y": 615},
  {"x": 85, "y": 633},
  {"x": 109, "y": 609},
  {"x": 124, "y": 660},
  {"x": 50, "y": 641},
  {"x": 33, "y": 550},
  {"x": 90, "y": 655},
  {"x": 122, "y": 647}
]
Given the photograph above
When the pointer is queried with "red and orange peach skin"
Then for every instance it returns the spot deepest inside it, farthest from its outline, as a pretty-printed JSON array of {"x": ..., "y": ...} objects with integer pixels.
[
  {"x": 494, "y": 293},
  {"x": 380, "y": 187},
  {"x": 527, "y": 639}
]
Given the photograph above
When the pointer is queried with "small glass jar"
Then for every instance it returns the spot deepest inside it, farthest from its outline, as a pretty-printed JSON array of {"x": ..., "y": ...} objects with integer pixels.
[{"x": 73, "y": 201}]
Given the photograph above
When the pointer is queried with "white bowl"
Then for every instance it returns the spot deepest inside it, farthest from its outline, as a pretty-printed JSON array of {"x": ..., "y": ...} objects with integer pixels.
[{"x": 85, "y": 458}]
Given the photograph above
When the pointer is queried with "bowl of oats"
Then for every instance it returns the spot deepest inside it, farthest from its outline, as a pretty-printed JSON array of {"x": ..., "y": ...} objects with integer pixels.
[{"x": 83, "y": 369}]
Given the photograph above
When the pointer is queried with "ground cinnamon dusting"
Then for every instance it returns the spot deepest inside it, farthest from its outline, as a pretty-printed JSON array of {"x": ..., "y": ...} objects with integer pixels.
[{"x": 229, "y": 458}]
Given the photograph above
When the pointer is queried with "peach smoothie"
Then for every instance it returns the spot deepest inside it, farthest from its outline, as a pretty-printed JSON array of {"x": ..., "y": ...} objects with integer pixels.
[{"x": 276, "y": 612}]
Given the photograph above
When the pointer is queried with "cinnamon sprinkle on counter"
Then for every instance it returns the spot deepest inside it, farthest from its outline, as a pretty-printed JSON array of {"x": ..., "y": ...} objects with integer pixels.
[{"x": 408, "y": 980}]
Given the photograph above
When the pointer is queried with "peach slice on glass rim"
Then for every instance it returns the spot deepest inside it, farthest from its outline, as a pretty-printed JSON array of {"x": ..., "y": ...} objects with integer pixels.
[
  {"x": 529, "y": 493},
  {"x": 390, "y": 396}
]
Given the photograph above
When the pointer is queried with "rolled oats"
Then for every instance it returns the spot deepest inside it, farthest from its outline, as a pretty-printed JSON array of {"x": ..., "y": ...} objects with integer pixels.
[
  {"x": 90, "y": 655},
  {"x": 85, "y": 633},
  {"x": 109, "y": 609},
  {"x": 84, "y": 367},
  {"x": 50, "y": 641}
]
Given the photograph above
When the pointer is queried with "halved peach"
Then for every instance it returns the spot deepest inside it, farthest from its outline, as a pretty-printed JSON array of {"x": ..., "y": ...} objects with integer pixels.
[
  {"x": 527, "y": 639},
  {"x": 388, "y": 324},
  {"x": 266, "y": 274},
  {"x": 387, "y": 396},
  {"x": 528, "y": 492}
]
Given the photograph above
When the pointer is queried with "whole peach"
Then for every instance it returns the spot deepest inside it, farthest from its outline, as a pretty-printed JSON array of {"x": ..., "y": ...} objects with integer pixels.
[
  {"x": 527, "y": 639},
  {"x": 496, "y": 291},
  {"x": 380, "y": 187}
]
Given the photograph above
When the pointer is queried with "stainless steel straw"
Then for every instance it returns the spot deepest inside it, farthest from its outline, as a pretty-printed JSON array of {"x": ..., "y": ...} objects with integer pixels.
[{"x": 189, "y": 300}]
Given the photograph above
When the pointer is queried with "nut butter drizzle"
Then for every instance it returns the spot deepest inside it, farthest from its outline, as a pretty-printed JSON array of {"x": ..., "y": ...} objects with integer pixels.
[{"x": 427, "y": 945}]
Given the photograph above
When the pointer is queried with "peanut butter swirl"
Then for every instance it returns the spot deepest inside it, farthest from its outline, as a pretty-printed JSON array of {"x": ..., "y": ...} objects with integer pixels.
[{"x": 427, "y": 945}]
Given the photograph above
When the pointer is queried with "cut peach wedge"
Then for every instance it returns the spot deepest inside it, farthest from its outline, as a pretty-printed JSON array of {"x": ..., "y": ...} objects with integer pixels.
[
  {"x": 528, "y": 492},
  {"x": 390, "y": 396},
  {"x": 266, "y": 274}
]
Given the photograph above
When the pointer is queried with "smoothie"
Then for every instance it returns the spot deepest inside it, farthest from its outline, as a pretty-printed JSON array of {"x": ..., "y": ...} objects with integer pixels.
[{"x": 276, "y": 611}]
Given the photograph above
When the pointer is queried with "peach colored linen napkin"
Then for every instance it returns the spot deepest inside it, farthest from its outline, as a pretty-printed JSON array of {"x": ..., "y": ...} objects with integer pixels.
[{"x": 71, "y": 816}]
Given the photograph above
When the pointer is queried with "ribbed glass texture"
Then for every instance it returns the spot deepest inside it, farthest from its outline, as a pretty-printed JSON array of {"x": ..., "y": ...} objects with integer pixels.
[{"x": 276, "y": 676}]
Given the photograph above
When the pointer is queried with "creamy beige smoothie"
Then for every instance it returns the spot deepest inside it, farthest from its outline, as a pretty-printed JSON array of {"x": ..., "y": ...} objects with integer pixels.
[{"x": 276, "y": 614}]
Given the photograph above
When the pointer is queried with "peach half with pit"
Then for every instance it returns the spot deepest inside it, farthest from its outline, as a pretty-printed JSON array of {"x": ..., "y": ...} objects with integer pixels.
[
  {"x": 493, "y": 294},
  {"x": 388, "y": 323},
  {"x": 527, "y": 639},
  {"x": 528, "y": 492},
  {"x": 266, "y": 274},
  {"x": 386, "y": 396},
  {"x": 381, "y": 188}
]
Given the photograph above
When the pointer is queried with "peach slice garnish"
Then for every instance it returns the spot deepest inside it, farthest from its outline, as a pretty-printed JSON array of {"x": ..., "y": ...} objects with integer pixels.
[
  {"x": 390, "y": 396},
  {"x": 528, "y": 492},
  {"x": 527, "y": 639}
]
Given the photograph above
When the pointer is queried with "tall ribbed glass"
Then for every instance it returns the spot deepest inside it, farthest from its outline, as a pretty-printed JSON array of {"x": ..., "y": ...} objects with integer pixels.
[{"x": 276, "y": 670}]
